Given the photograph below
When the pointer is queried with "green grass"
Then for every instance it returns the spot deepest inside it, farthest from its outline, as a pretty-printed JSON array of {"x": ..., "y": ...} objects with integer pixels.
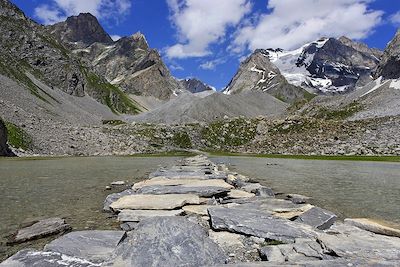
[
  {"x": 17, "y": 137},
  {"x": 113, "y": 122},
  {"x": 339, "y": 114},
  {"x": 182, "y": 140},
  {"x": 308, "y": 157}
]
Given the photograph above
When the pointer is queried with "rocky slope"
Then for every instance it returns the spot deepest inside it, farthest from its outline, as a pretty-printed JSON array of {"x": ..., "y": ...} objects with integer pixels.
[
  {"x": 194, "y": 85},
  {"x": 389, "y": 67},
  {"x": 257, "y": 73},
  {"x": 328, "y": 65},
  {"x": 4, "y": 149},
  {"x": 28, "y": 48},
  {"x": 128, "y": 63}
]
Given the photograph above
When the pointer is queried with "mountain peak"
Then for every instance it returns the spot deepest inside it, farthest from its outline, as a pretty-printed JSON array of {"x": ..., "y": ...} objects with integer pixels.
[
  {"x": 389, "y": 67},
  {"x": 82, "y": 31},
  {"x": 140, "y": 40}
]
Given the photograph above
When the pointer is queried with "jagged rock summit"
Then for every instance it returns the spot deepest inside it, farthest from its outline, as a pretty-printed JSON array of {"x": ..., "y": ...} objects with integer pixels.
[
  {"x": 389, "y": 67},
  {"x": 258, "y": 73},
  {"x": 80, "y": 31},
  {"x": 328, "y": 65},
  {"x": 194, "y": 85}
]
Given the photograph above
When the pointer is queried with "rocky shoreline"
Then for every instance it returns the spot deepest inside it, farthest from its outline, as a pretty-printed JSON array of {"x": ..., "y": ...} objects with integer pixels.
[{"x": 198, "y": 213}]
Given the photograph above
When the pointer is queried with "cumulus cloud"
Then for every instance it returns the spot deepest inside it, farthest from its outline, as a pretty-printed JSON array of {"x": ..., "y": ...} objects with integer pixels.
[
  {"x": 291, "y": 23},
  {"x": 58, "y": 10},
  {"x": 212, "y": 64},
  {"x": 395, "y": 19},
  {"x": 202, "y": 23}
]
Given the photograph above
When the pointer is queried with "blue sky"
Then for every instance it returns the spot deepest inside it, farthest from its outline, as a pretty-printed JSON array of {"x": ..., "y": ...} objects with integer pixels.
[{"x": 208, "y": 38}]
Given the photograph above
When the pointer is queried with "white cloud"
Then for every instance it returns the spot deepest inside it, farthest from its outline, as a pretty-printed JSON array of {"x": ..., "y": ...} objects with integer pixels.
[
  {"x": 176, "y": 67},
  {"x": 115, "y": 37},
  {"x": 395, "y": 19},
  {"x": 211, "y": 65},
  {"x": 202, "y": 23},
  {"x": 58, "y": 10},
  {"x": 291, "y": 23}
]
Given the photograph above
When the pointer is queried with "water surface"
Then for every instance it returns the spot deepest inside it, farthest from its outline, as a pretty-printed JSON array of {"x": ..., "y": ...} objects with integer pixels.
[{"x": 349, "y": 188}]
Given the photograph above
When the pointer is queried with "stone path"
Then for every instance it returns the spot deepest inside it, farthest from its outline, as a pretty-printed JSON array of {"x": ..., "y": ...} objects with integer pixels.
[{"x": 198, "y": 213}]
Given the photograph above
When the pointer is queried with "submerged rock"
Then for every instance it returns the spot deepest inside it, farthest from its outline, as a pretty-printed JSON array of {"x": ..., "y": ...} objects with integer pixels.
[
  {"x": 33, "y": 258},
  {"x": 167, "y": 241},
  {"x": 95, "y": 246},
  {"x": 154, "y": 202},
  {"x": 256, "y": 223},
  {"x": 318, "y": 218},
  {"x": 40, "y": 229}
]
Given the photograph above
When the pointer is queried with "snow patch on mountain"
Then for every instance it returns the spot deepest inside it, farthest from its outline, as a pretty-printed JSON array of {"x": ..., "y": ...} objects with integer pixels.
[{"x": 395, "y": 84}]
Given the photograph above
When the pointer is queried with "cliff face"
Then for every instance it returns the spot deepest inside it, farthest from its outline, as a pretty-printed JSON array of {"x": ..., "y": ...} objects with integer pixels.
[
  {"x": 389, "y": 67},
  {"x": 5, "y": 151}
]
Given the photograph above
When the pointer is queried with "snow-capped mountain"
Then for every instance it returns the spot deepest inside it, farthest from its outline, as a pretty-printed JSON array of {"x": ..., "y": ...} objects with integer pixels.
[{"x": 326, "y": 66}]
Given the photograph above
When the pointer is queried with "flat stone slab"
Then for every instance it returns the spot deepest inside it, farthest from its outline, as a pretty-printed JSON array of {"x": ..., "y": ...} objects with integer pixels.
[
  {"x": 316, "y": 217},
  {"x": 168, "y": 241},
  {"x": 197, "y": 209},
  {"x": 139, "y": 215},
  {"x": 182, "y": 182},
  {"x": 201, "y": 191},
  {"x": 240, "y": 194},
  {"x": 298, "y": 199},
  {"x": 95, "y": 246},
  {"x": 33, "y": 258},
  {"x": 256, "y": 223},
  {"x": 40, "y": 229},
  {"x": 114, "y": 197},
  {"x": 154, "y": 202},
  {"x": 351, "y": 242},
  {"x": 374, "y": 227}
]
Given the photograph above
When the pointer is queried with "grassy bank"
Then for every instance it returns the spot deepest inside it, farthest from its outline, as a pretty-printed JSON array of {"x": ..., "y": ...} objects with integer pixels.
[{"x": 307, "y": 157}]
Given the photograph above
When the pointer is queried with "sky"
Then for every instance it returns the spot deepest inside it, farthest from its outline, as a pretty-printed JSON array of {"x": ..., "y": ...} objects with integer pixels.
[{"x": 207, "y": 39}]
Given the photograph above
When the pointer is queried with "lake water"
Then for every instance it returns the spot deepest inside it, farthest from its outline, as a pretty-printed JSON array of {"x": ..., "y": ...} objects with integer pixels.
[
  {"x": 74, "y": 188},
  {"x": 349, "y": 188}
]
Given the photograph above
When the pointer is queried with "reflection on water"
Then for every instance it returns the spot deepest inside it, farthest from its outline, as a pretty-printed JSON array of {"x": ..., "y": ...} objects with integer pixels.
[
  {"x": 351, "y": 189},
  {"x": 72, "y": 188}
]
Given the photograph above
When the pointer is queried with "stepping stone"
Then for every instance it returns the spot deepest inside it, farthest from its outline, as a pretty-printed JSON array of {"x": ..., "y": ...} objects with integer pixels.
[
  {"x": 374, "y": 227},
  {"x": 201, "y": 191},
  {"x": 240, "y": 194},
  {"x": 114, "y": 197},
  {"x": 139, "y": 215},
  {"x": 197, "y": 209},
  {"x": 39, "y": 230},
  {"x": 183, "y": 182},
  {"x": 94, "y": 246},
  {"x": 33, "y": 258},
  {"x": 167, "y": 241},
  {"x": 258, "y": 224},
  {"x": 317, "y": 218},
  {"x": 155, "y": 202}
]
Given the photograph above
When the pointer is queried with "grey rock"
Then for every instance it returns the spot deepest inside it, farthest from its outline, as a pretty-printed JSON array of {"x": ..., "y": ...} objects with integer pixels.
[
  {"x": 139, "y": 215},
  {"x": 389, "y": 67},
  {"x": 114, "y": 197},
  {"x": 168, "y": 241},
  {"x": 298, "y": 199},
  {"x": 256, "y": 223},
  {"x": 40, "y": 229},
  {"x": 317, "y": 263},
  {"x": 95, "y": 246},
  {"x": 265, "y": 192},
  {"x": 33, "y": 258},
  {"x": 202, "y": 191},
  {"x": 318, "y": 218},
  {"x": 195, "y": 86},
  {"x": 128, "y": 226},
  {"x": 4, "y": 149}
]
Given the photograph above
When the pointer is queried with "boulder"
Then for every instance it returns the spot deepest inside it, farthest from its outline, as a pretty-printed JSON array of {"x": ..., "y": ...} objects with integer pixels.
[
  {"x": 374, "y": 227},
  {"x": 167, "y": 241},
  {"x": 256, "y": 223},
  {"x": 95, "y": 246},
  {"x": 318, "y": 218},
  {"x": 33, "y": 258},
  {"x": 138, "y": 215},
  {"x": 154, "y": 202},
  {"x": 201, "y": 191},
  {"x": 40, "y": 229}
]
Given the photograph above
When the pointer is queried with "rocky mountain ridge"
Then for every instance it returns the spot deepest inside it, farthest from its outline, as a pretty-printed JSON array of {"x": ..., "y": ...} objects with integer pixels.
[
  {"x": 194, "y": 85},
  {"x": 389, "y": 67}
]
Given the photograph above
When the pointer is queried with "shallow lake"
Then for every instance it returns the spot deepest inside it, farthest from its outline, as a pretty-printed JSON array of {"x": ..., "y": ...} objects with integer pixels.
[
  {"x": 349, "y": 188},
  {"x": 74, "y": 188}
]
